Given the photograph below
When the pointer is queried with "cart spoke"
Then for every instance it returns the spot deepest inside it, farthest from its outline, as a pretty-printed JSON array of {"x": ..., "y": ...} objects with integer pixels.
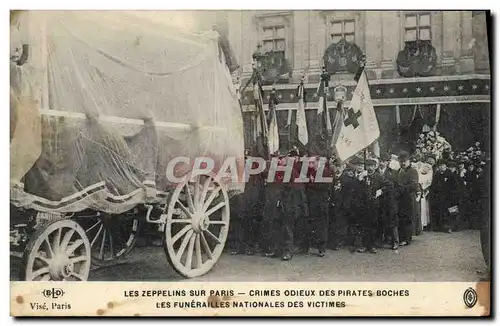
[
  {"x": 93, "y": 226},
  {"x": 43, "y": 259},
  {"x": 199, "y": 261},
  {"x": 78, "y": 259},
  {"x": 46, "y": 277},
  {"x": 111, "y": 249},
  {"x": 189, "y": 259},
  {"x": 196, "y": 195},
  {"x": 218, "y": 222},
  {"x": 97, "y": 235},
  {"x": 184, "y": 209},
  {"x": 40, "y": 272},
  {"x": 204, "y": 191},
  {"x": 215, "y": 208},
  {"x": 77, "y": 276},
  {"x": 66, "y": 239},
  {"x": 184, "y": 244},
  {"x": 180, "y": 220},
  {"x": 181, "y": 233},
  {"x": 57, "y": 239},
  {"x": 50, "y": 251},
  {"x": 189, "y": 198},
  {"x": 206, "y": 246},
  {"x": 213, "y": 236},
  {"x": 101, "y": 252},
  {"x": 210, "y": 199},
  {"x": 70, "y": 249}
]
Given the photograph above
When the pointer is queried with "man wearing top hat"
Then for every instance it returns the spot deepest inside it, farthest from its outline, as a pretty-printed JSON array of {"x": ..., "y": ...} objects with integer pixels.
[
  {"x": 443, "y": 197},
  {"x": 407, "y": 187}
]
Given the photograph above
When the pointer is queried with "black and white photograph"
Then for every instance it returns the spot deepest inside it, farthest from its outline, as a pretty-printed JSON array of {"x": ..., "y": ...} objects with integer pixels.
[{"x": 195, "y": 147}]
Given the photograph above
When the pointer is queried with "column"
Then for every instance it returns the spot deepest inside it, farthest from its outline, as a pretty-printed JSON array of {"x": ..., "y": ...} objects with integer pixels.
[
  {"x": 391, "y": 41},
  {"x": 373, "y": 39},
  {"x": 300, "y": 41},
  {"x": 235, "y": 34},
  {"x": 466, "y": 56},
  {"x": 247, "y": 42},
  {"x": 451, "y": 38},
  {"x": 316, "y": 40}
]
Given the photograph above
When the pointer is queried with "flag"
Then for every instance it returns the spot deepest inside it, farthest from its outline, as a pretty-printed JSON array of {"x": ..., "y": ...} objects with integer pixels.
[
  {"x": 273, "y": 139},
  {"x": 321, "y": 93},
  {"x": 360, "y": 126},
  {"x": 301, "y": 122}
]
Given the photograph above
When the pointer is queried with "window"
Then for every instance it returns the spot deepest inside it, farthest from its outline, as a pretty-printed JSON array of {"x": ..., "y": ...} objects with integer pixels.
[
  {"x": 417, "y": 26},
  {"x": 274, "y": 39},
  {"x": 342, "y": 29}
]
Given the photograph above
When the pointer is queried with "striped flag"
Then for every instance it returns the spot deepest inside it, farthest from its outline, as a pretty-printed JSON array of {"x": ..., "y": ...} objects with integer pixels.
[
  {"x": 301, "y": 122},
  {"x": 273, "y": 135},
  {"x": 321, "y": 93}
]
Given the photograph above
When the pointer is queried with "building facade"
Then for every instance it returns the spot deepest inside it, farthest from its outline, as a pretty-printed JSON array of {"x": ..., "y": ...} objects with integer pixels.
[{"x": 433, "y": 64}]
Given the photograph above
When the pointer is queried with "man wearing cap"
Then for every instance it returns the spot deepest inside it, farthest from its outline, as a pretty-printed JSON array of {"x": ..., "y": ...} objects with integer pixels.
[
  {"x": 387, "y": 204},
  {"x": 407, "y": 188}
]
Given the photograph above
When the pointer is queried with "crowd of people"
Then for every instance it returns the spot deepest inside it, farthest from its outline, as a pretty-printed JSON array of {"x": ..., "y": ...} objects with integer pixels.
[{"x": 371, "y": 203}]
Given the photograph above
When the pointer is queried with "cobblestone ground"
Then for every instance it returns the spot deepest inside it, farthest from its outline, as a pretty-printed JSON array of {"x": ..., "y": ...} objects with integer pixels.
[{"x": 432, "y": 257}]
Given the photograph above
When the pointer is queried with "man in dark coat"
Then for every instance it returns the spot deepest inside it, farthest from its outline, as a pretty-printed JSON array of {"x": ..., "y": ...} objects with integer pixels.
[
  {"x": 273, "y": 210},
  {"x": 250, "y": 206},
  {"x": 407, "y": 188},
  {"x": 443, "y": 197},
  {"x": 387, "y": 203},
  {"x": 337, "y": 234},
  {"x": 317, "y": 194},
  {"x": 356, "y": 203},
  {"x": 295, "y": 203},
  {"x": 373, "y": 183}
]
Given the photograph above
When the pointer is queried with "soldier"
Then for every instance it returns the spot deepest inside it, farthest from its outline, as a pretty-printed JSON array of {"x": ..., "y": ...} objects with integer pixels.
[
  {"x": 337, "y": 224},
  {"x": 317, "y": 193},
  {"x": 407, "y": 188}
]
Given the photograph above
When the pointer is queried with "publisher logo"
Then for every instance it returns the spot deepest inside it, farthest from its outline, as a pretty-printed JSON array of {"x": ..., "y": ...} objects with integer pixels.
[
  {"x": 470, "y": 297},
  {"x": 53, "y": 293}
]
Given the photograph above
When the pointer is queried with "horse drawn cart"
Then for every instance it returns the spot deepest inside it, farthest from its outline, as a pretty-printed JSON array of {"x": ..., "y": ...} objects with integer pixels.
[{"x": 109, "y": 116}]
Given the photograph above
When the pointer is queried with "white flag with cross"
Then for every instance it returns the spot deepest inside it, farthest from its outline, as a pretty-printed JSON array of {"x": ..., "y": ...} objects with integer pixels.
[{"x": 360, "y": 126}]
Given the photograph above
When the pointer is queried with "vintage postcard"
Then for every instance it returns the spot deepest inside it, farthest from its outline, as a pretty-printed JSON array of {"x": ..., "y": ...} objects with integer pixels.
[{"x": 250, "y": 163}]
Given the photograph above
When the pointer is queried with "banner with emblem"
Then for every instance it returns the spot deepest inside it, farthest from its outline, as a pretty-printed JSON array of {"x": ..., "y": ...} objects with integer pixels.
[{"x": 360, "y": 126}]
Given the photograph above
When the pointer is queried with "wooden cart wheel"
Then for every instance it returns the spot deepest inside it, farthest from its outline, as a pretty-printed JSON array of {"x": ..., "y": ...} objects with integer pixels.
[
  {"x": 58, "y": 251},
  {"x": 196, "y": 227},
  {"x": 111, "y": 237}
]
